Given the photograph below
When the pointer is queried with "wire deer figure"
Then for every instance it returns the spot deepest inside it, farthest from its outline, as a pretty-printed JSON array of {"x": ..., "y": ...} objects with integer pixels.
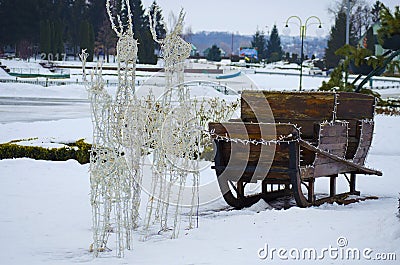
[
  {"x": 115, "y": 189},
  {"x": 171, "y": 157}
]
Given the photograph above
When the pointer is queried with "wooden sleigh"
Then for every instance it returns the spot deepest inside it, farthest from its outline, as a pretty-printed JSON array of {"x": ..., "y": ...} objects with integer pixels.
[{"x": 288, "y": 140}]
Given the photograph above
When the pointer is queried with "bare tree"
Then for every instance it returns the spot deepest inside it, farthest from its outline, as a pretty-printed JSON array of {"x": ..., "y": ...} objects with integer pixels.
[
  {"x": 360, "y": 14},
  {"x": 172, "y": 20},
  {"x": 188, "y": 34},
  {"x": 361, "y": 18}
]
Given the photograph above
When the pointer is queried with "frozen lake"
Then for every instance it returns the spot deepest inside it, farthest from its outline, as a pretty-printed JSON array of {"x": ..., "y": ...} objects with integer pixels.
[{"x": 30, "y": 109}]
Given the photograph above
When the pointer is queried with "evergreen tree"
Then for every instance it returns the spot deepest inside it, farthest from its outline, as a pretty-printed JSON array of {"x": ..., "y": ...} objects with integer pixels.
[
  {"x": 214, "y": 54},
  {"x": 58, "y": 43},
  {"x": 141, "y": 28},
  {"x": 260, "y": 44},
  {"x": 67, "y": 23},
  {"x": 274, "y": 47},
  {"x": 159, "y": 25},
  {"x": 91, "y": 39},
  {"x": 336, "y": 40},
  {"x": 51, "y": 39},
  {"x": 19, "y": 21},
  {"x": 106, "y": 38},
  {"x": 370, "y": 40},
  {"x": 87, "y": 39},
  {"x": 96, "y": 13},
  {"x": 45, "y": 36},
  {"x": 375, "y": 11},
  {"x": 77, "y": 12}
]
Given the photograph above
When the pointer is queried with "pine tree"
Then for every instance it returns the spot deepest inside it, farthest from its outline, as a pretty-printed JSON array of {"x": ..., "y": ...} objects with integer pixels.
[
  {"x": 91, "y": 42},
  {"x": 77, "y": 12},
  {"x": 58, "y": 43},
  {"x": 159, "y": 26},
  {"x": 96, "y": 13},
  {"x": 45, "y": 36},
  {"x": 106, "y": 38},
  {"x": 274, "y": 47},
  {"x": 19, "y": 21},
  {"x": 260, "y": 44},
  {"x": 375, "y": 11},
  {"x": 336, "y": 40},
  {"x": 214, "y": 54},
  {"x": 141, "y": 28},
  {"x": 87, "y": 38},
  {"x": 370, "y": 40}
]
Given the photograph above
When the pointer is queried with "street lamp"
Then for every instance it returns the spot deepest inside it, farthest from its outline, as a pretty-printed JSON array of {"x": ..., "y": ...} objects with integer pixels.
[{"x": 303, "y": 29}]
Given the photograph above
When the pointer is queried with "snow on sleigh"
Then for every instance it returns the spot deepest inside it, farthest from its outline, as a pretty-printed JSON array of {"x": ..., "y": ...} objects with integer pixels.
[{"x": 287, "y": 140}]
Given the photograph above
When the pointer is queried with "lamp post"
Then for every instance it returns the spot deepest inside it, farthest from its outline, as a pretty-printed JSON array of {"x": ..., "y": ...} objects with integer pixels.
[{"x": 303, "y": 29}]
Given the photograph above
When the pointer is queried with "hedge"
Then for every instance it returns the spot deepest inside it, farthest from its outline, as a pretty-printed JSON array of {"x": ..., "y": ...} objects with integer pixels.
[{"x": 80, "y": 151}]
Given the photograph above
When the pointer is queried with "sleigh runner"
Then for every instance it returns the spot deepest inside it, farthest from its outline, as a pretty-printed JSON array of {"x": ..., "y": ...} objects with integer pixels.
[{"x": 289, "y": 140}]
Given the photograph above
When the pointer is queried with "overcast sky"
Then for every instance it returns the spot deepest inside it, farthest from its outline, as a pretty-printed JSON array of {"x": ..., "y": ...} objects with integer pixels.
[{"x": 244, "y": 16}]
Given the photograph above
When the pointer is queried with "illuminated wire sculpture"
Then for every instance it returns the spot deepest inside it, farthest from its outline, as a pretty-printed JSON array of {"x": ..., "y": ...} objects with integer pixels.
[
  {"x": 174, "y": 147},
  {"x": 115, "y": 193},
  {"x": 129, "y": 128}
]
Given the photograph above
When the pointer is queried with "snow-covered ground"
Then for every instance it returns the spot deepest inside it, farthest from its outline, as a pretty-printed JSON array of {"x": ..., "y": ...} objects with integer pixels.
[{"x": 45, "y": 213}]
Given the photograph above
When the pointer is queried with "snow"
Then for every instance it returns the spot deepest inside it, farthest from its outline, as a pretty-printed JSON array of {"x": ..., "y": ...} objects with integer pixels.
[
  {"x": 45, "y": 213},
  {"x": 4, "y": 75},
  {"x": 286, "y": 82},
  {"x": 24, "y": 90}
]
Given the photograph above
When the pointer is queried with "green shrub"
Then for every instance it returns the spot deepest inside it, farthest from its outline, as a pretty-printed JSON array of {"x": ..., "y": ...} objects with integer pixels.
[
  {"x": 79, "y": 151},
  {"x": 390, "y": 23}
]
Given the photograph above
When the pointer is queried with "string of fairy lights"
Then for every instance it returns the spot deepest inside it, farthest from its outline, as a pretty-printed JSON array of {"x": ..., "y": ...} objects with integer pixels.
[{"x": 128, "y": 129}]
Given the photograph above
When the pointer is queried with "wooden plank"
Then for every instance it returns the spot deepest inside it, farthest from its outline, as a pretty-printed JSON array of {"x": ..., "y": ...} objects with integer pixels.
[
  {"x": 355, "y": 106},
  {"x": 277, "y": 178},
  {"x": 307, "y": 157},
  {"x": 333, "y": 129},
  {"x": 333, "y": 139},
  {"x": 357, "y": 167},
  {"x": 311, "y": 187},
  {"x": 321, "y": 160},
  {"x": 353, "y": 127},
  {"x": 332, "y": 168},
  {"x": 251, "y": 175},
  {"x": 367, "y": 129},
  {"x": 248, "y": 131},
  {"x": 332, "y": 186},
  {"x": 264, "y": 160},
  {"x": 307, "y": 173},
  {"x": 257, "y": 106},
  {"x": 352, "y": 182},
  {"x": 334, "y": 148}
]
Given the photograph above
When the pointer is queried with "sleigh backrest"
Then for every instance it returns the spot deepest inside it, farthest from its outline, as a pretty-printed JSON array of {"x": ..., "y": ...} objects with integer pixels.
[{"x": 308, "y": 110}]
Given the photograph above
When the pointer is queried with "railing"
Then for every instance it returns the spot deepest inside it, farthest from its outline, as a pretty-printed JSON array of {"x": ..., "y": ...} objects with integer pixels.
[
  {"x": 47, "y": 82},
  {"x": 38, "y": 72}
]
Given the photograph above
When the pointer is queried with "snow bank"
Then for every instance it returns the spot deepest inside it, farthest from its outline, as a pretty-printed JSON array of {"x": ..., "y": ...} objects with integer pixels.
[
  {"x": 46, "y": 219},
  {"x": 61, "y": 131},
  {"x": 29, "y": 90}
]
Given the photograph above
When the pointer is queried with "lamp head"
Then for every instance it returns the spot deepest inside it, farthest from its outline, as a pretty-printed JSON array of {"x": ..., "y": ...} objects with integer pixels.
[
  {"x": 286, "y": 30},
  {"x": 319, "y": 31}
]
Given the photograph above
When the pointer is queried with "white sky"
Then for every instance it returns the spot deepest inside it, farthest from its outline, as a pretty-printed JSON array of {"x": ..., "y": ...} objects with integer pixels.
[{"x": 245, "y": 16}]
